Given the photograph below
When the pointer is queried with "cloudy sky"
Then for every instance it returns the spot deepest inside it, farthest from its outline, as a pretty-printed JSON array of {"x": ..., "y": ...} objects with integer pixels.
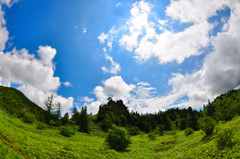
[{"x": 152, "y": 54}]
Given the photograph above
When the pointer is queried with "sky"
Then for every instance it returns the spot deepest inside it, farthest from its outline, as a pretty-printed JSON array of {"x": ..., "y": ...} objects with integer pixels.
[{"x": 152, "y": 54}]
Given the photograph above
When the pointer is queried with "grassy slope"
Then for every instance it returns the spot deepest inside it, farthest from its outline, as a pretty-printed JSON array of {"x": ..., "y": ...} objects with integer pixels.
[
  {"x": 18, "y": 139},
  {"x": 13, "y": 101}
]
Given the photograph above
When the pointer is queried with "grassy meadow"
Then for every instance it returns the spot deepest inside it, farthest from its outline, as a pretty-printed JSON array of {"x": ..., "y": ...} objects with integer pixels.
[{"x": 21, "y": 140}]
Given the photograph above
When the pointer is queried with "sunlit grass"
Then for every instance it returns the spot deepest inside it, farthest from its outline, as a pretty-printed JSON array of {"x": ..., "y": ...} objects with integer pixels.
[{"x": 18, "y": 139}]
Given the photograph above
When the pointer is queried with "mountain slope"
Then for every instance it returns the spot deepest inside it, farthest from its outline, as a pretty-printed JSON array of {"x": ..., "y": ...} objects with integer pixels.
[
  {"x": 19, "y": 139},
  {"x": 15, "y": 102},
  {"x": 224, "y": 107}
]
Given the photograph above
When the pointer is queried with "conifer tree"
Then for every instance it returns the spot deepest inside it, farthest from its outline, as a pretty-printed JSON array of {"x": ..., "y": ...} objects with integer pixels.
[{"x": 83, "y": 120}]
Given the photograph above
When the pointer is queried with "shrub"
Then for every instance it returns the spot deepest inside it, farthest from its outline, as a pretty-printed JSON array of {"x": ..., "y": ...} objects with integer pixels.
[
  {"x": 118, "y": 138},
  {"x": 29, "y": 118},
  {"x": 52, "y": 123},
  {"x": 133, "y": 130},
  {"x": 67, "y": 131},
  {"x": 152, "y": 136},
  {"x": 160, "y": 130},
  {"x": 41, "y": 126},
  {"x": 225, "y": 139},
  {"x": 188, "y": 131},
  {"x": 207, "y": 125}
]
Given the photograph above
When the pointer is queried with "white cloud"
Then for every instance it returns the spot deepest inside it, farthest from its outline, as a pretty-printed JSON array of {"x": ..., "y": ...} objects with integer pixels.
[
  {"x": 114, "y": 67},
  {"x": 168, "y": 46},
  {"x": 118, "y": 4},
  {"x": 196, "y": 11},
  {"x": 84, "y": 30},
  {"x": 46, "y": 54},
  {"x": 114, "y": 87},
  {"x": 38, "y": 96},
  {"x": 141, "y": 97},
  {"x": 102, "y": 38},
  {"x": 36, "y": 77},
  {"x": 220, "y": 70},
  {"x": 67, "y": 84},
  {"x": 9, "y": 3},
  {"x": 3, "y": 30},
  {"x": 86, "y": 99}
]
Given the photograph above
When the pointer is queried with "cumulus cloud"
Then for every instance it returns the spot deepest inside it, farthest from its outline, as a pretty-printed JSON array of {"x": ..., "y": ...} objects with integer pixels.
[
  {"x": 114, "y": 67},
  {"x": 46, "y": 54},
  {"x": 141, "y": 97},
  {"x": 3, "y": 30},
  {"x": 221, "y": 68},
  {"x": 148, "y": 38},
  {"x": 35, "y": 76},
  {"x": 196, "y": 11}
]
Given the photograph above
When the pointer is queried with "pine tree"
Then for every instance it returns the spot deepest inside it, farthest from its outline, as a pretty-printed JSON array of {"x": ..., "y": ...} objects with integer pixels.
[
  {"x": 75, "y": 116},
  {"x": 83, "y": 120},
  {"x": 48, "y": 107},
  {"x": 59, "y": 108}
]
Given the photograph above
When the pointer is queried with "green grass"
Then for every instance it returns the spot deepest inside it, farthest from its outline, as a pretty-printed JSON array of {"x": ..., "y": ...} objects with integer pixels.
[{"x": 21, "y": 140}]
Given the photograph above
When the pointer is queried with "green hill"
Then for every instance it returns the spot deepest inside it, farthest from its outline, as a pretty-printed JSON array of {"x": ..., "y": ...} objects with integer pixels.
[
  {"x": 22, "y": 140},
  {"x": 224, "y": 107},
  {"x": 15, "y": 102}
]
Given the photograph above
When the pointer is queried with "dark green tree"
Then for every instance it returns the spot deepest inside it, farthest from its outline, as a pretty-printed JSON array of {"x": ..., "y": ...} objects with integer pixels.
[
  {"x": 65, "y": 119},
  {"x": 75, "y": 116},
  {"x": 49, "y": 107},
  {"x": 118, "y": 138},
  {"x": 83, "y": 120},
  {"x": 207, "y": 125},
  {"x": 59, "y": 108}
]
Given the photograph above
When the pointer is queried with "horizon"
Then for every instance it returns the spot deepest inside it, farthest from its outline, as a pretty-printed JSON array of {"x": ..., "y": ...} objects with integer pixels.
[{"x": 153, "y": 55}]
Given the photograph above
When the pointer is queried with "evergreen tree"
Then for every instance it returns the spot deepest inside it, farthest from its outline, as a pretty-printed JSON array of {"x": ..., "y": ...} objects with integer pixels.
[
  {"x": 48, "y": 107},
  {"x": 59, "y": 108},
  {"x": 75, "y": 116},
  {"x": 83, "y": 120},
  {"x": 65, "y": 119}
]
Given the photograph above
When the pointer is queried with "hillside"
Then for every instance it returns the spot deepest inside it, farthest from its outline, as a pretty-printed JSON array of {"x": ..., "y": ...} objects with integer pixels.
[
  {"x": 225, "y": 106},
  {"x": 15, "y": 102},
  {"x": 22, "y": 140}
]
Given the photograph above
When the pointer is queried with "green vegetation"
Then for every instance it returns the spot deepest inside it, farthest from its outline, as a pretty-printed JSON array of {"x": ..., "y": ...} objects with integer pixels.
[
  {"x": 189, "y": 131},
  {"x": 66, "y": 131},
  {"x": 173, "y": 134},
  {"x": 16, "y": 103},
  {"x": 207, "y": 125},
  {"x": 118, "y": 138},
  {"x": 225, "y": 139},
  {"x": 24, "y": 140},
  {"x": 29, "y": 118}
]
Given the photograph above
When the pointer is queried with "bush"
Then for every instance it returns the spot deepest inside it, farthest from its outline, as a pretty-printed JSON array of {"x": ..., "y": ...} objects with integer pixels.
[
  {"x": 118, "y": 138},
  {"x": 133, "y": 130},
  {"x": 188, "y": 131},
  {"x": 225, "y": 139},
  {"x": 52, "y": 123},
  {"x": 29, "y": 118},
  {"x": 160, "y": 130},
  {"x": 152, "y": 136},
  {"x": 41, "y": 126},
  {"x": 207, "y": 125},
  {"x": 67, "y": 131}
]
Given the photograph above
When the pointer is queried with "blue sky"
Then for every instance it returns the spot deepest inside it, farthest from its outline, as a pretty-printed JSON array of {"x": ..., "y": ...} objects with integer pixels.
[{"x": 153, "y": 55}]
